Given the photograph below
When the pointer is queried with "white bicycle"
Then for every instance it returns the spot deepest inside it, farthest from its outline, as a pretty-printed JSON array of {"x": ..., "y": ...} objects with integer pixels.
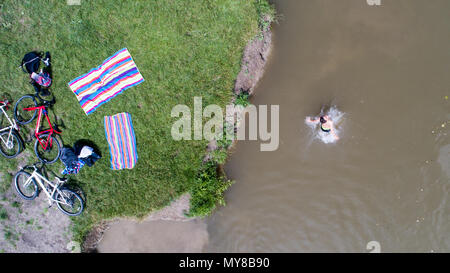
[
  {"x": 27, "y": 186},
  {"x": 10, "y": 142}
]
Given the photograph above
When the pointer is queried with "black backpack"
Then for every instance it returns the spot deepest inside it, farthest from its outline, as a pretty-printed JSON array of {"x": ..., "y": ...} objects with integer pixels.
[{"x": 30, "y": 62}]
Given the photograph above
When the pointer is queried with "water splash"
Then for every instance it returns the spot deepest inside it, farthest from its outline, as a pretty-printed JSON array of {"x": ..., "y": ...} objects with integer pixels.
[{"x": 336, "y": 116}]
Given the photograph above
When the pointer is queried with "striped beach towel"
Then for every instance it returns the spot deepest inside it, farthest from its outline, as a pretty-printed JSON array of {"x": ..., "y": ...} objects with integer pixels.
[
  {"x": 101, "y": 84},
  {"x": 122, "y": 141}
]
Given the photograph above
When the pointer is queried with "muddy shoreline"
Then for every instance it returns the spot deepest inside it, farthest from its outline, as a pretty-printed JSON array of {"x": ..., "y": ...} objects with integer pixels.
[{"x": 254, "y": 60}]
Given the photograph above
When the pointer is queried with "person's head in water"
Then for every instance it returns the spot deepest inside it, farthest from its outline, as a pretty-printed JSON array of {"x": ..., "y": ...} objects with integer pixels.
[{"x": 324, "y": 124}]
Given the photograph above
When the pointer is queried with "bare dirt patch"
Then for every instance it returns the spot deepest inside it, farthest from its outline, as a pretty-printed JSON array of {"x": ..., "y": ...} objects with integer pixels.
[
  {"x": 156, "y": 237},
  {"x": 255, "y": 57},
  {"x": 31, "y": 226},
  {"x": 175, "y": 212}
]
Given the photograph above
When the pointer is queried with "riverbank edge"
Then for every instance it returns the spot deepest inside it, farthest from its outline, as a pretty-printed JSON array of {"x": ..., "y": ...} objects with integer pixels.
[{"x": 254, "y": 60}]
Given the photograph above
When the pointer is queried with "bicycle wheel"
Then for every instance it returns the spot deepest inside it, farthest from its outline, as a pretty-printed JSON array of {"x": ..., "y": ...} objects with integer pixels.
[
  {"x": 10, "y": 144},
  {"x": 51, "y": 154},
  {"x": 69, "y": 202},
  {"x": 26, "y": 188},
  {"x": 22, "y": 116}
]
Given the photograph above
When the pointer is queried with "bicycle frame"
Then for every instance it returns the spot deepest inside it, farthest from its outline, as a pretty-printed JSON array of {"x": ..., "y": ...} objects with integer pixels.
[
  {"x": 40, "y": 179},
  {"x": 12, "y": 122},
  {"x": 37, "y": 132}
]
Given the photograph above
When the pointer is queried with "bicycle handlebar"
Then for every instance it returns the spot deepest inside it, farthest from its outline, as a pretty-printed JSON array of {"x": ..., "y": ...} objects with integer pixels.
[{"x": 35, "y": 166}]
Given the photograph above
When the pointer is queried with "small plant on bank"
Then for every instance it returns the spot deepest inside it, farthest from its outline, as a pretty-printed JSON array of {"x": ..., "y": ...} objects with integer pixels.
[
  {"x": 219, "y": 156},
  {"x": 223, "y": 142},
  {"x": 266, "y": 13},
  {"x": 242, "y": 99},
  {"x": 207, "y": 191}
]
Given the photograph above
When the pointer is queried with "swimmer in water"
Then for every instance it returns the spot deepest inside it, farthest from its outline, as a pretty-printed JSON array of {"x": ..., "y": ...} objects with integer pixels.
[{"x": 326, "y": 125}]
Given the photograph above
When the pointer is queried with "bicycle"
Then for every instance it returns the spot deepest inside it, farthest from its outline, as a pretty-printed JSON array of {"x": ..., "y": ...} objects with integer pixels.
[
  {"x": 27, "y": 186},
  {"x": 25, "y": 112},
  {"x": 10, "y": 141}
]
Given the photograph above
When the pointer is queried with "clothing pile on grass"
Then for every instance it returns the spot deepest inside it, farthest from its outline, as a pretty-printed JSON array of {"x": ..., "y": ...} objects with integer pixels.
[{"x": 75, "y": 158}]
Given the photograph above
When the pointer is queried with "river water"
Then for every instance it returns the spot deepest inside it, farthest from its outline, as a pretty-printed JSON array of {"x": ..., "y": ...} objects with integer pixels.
[{"x": 387, "y": 178}]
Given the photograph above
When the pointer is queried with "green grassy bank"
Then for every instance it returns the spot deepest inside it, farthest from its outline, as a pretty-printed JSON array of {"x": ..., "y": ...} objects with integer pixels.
[{"x": 182, "y": 48}]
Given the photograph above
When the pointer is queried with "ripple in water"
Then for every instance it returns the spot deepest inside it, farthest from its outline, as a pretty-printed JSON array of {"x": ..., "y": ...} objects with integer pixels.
[{"x": 444, "y": 159}]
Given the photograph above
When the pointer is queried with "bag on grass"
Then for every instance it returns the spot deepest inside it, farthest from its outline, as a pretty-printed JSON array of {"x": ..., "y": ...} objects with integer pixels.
[{"x": 30, "y": 62}]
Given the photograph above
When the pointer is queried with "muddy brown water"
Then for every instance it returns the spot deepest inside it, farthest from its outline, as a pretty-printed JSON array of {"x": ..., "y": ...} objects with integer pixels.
[{"x": 387, "y": 179}]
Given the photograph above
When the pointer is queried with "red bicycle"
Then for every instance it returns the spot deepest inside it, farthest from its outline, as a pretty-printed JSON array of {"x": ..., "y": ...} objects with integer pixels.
[{"x": 46, "y": 147}]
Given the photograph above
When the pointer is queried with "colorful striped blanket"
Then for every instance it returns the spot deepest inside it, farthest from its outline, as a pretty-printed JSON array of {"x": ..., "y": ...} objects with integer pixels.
[
  {"x": 101, "y": 84},
  {"x": 121, "y": 140}
]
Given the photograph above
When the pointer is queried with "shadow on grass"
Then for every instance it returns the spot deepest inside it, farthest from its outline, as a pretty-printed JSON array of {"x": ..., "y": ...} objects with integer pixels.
[{"x": 79, "y": 144}]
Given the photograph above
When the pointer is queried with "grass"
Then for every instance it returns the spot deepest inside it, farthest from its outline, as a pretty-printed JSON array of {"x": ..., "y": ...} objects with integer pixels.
[
  {"x": 182, "y": 48},
  {"x": 3, "y": 214},
  {"x": 11, "y": 236}
]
